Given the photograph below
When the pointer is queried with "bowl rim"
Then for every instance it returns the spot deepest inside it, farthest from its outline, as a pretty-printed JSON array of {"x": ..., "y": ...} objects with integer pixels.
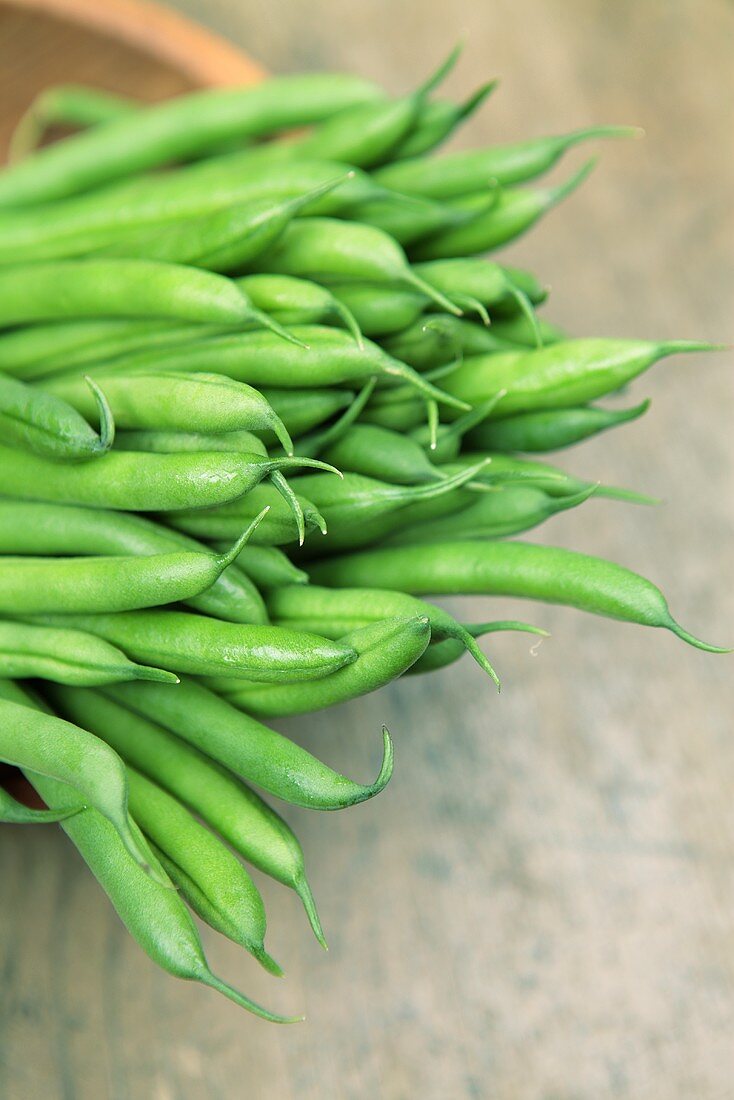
[{"x": 200, "y": 54}]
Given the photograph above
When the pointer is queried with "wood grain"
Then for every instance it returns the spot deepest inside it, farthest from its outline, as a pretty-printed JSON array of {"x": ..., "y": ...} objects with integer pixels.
[{"x": 540, "y": 906}]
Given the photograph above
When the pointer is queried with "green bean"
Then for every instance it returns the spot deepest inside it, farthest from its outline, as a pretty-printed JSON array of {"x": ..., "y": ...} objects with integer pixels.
[
  {"x": 568, "y": 373},
  {"x": 118, "y": 288},
  {"x": 173, "y": 401},
  {"x": 267, "y": 566},
  {"x": 66, "y": 105},
  {"x": 253, "y": 751},
  {"x": 545, "y": 573},
  {"x": 518, "y": 330},
  {"x": 153, "y": 914},
  {"x": 174, "y": 130},
  {"x": 35, "y": 351},
  {"x": 13, "y": 812},
  {"x": 449, "y": 650},
  {"x": 488, "y": 283},
  {"x": 328, "y": 248},
  {"x": 515, "y": 212},
  {"x": 357, "y": 513},
  {"x": 550, "y": 429},
  {"x": 276, "y": 529},
  {"x": 315, "y": 442},
  {"x": 136, "y": 481},
  {"x": 239, "y": 815},
  {"x": 385, "y": 650},
  {"x": 507, "y": 511},
  {"x": 33, "y": 585},
  {"x": 220, "y": 240},
  {"x": 50, "y": 746},
  {"x": 437, "y": 120},
  {"x": 379, "y": 453},
  {"x": 446, "y": 445},
  {"x": 432, "y": 341},
  {"x": 202, "y": 646},
  {"x": 296, "y": 301},
  {"x": 500, "y": 468},
  {"x": 334, "y": 614},
  {"x": 68, "y": 657},
  {"x": 301, "y": 410},
  {"x": 380, "y": 309},
  {"x": 465, "y": 172},
  {"x": 261, "y": 359},
  {"x": 48, "y": 425},
  {"x": 210, "y": 877},
  {"x": 410, "y": 221},
  {"x": 28, "y": 527}
]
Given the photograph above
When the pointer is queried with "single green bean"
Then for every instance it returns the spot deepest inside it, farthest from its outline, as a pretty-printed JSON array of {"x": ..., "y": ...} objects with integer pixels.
[
  {"x": 437, "y": 120},
  {"x": 267, "y": 566},
  {"x": 118, "y": 288},
  {"x": 449, "y": 650},
  {"x": 71, "y": 105},
  {"x": 546, "y": 573},
  {"x": 277, "y": 528},
  {"x": 35, "y": 585},
  {"x": 295, "y": 302},
  {"x": 379, "y": 453},
  {"x": 253, "y": 751},
  {"x": 202, "y": 646},
  {"x": 465, "y": 172},
  {"x": 380, "y": 309},
  {"x": 550, "y": 429},
  {"x": 69, "y": 657}
]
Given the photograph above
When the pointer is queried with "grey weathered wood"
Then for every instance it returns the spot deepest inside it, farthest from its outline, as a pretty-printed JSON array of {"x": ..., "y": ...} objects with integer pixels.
[{"x": 540, "y": 906}]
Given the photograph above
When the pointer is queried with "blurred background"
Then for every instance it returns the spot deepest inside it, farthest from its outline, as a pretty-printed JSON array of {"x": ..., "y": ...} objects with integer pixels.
[{"x": 541, "y": 904}]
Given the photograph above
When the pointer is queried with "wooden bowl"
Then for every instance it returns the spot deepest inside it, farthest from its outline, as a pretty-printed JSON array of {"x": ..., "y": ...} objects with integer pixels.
[{"x": 131, "y": 47}]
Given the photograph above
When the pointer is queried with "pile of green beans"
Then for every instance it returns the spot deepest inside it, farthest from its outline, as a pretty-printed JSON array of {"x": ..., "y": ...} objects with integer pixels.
[{"x": 259, "y": 398}]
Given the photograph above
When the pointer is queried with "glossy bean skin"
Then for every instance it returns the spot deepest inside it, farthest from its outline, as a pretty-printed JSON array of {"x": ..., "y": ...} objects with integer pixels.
[
  {"x": 93, "y": 771},
  {"x": 550, "y": 430},
  {"x": 201, "y": 646},
  {"x": 251, "y": 750},
  {"x": 303, "y": 410},
  {"x": 376, "y": 452},
  {"x": 154, "y": 914},
  {"x": 297, "y": 301},
  {"x": 173, "y": 401},
  {"x": 546, "y": 573},
  {"x": 134, "y": 481},
  {"x": 68, "y": 656},
  {"x": 491, "y": 283},
  {"x": 571, "y": 372},
  {"x": 210, "y": 877},
  {"x": 36, "y": 585},
  {"x": 433, "y": 341},
  {"x": 47, "y": 425},
  {"x": 13, "y": 812},
  {"x": 516, "y": 332},
  {"x": 336, "y": 613},
  {"x": 173, "y": 130},
  {"x": 76, "y": 289},
  {"x": 385, "y": 650},
  {"x": 466, "y": 172},
  {"x": 226, "y": 804},
  {"x": 28, "y": 527},
  {"x": 410, "y": 222},
  {"x": 510, "y": 510}
]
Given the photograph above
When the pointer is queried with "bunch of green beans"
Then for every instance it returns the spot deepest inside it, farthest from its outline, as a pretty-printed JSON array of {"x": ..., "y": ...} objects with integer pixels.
[{"x": 259, "y": 398}]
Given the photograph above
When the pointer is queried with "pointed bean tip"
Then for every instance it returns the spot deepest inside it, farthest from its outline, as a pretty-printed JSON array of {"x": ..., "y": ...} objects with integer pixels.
[{"x": 697, "y": 643}]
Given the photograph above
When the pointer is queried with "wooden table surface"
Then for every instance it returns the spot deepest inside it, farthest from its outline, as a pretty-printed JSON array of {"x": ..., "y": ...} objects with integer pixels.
[{"x": 541, "y": 905}]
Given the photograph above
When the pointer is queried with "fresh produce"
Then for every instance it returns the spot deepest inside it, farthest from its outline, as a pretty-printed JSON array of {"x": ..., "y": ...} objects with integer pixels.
[{"x": 261, "y": 392}]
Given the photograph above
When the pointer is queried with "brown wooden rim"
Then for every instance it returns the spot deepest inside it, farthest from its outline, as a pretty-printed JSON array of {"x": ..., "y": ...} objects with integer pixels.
[{"x": 200, "y": 54}]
